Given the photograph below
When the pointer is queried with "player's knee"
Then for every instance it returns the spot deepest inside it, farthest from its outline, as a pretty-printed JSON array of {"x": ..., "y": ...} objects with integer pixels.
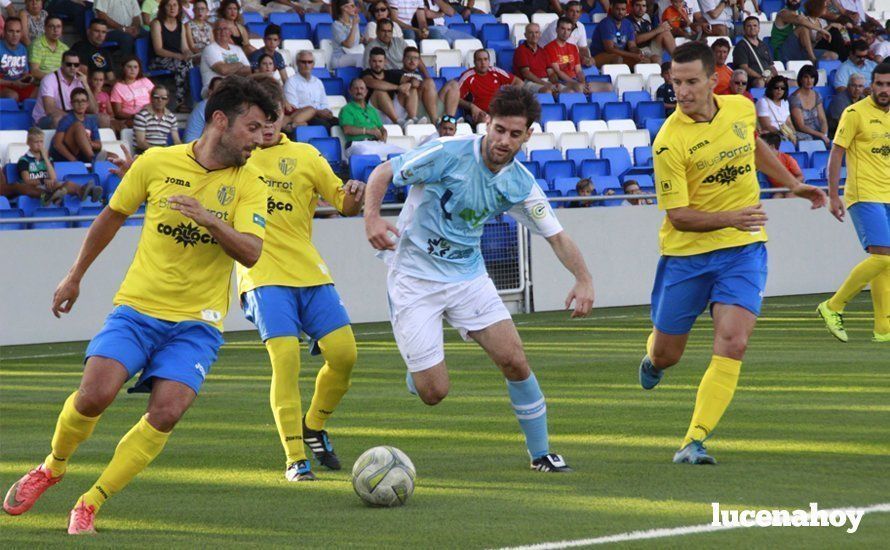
[
  {"x": 514, "y": 365},
  {"x": 163, "y": 417},
  {"x": 433, "y": 394},
  {"x": 731, "y": 345},
  {"x": 92, "y": 401},
  {"x": 664, "y": 360}
]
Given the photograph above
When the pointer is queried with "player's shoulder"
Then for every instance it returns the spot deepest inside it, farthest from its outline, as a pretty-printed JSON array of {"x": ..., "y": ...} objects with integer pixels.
[
  {"x": 671, "y": 131},
  {"x": 737, "y": 105}
]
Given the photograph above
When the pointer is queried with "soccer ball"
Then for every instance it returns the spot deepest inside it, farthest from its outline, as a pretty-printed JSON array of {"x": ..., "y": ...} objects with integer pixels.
[{"x": 383, "y": 476}]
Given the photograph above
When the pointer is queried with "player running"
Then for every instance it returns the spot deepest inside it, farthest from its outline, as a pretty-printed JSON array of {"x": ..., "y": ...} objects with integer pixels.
[
  {"x": 864, "y": 135},
  {"x": 712, "y": 239},
  {"x": 436, "y": 268},
  {"x": 204, "y": 210},
  {"x": 289, "y": 291}
]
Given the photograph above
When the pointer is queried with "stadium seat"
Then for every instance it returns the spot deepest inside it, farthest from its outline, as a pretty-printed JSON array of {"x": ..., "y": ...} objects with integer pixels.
[
  {"x": 405, "y": 142},
  {"x": 517, "y": 33},
  {"x": 533, "y": 167},
  {"x": 322, "y": 32},
  {"x": 757, "y": 93},
  {"x": 636, "y": 97},
  {"x": 572, "y": 98},
  {"x": 559, "y": 127},
  {"x": 333, "y": 85},
  {"x": 449, "y": 59},
  {"x": 602, "y": 140},
  {"x": 294, "y": 47},
  {"x": 493, "y": 31},
  {"x": 621, "y": 124},
  {"x": 28, "y": 205},
  {"x": 653, "y": 82},
  {"x": 802, "y": 159},
  {"x": 592, "y": 126},
  {"x": 786, "y": 147},
  {"x": 306, "y": 133},
  {"x": 8, "y": 104},
  {"x": 613, "y": 70},
  {"x": 811, "y": 145},
  {"x": 479, "y": 20},
  {"x": 628, "y": 83},
  {"x": 593, "y": 168},
  {"x": 9, "y": 213},
  {"x": 298, "y": 31},
  {"x": 601, "y": 98},
  {"x": 544, "y": 19},
  {"x": 603, "y": 184},
  {"x": 64, "y": 169},
  {"x": 646, "y": 110},
  {"x": 564, "y": 185},
  {"x": 631, "y": 139},
  {"x": 578, "y": 156},
  {"x": 254, "y": 17},
  {"x": 646, "y": 69},
  {"x": 643, "y": 156},
  {"x": 554, "y": 112},
  {"x": 430, "y": 46},
  {"x": 542, "y": 156},
  {"x": 819, "y": 159},
  {"x": 511, "y": 19},
  {"x": 329, "y": 149},
  {"x": 573, "y": 140},
  {"x": 796, "y": 65},
  {"x": 394, "y": 130},
  {"x": 143, "y": 50},
  {"x": 619, "y": 109},
  {"x": 347, "y": 74},
  {"x": 10, "y": 172},
  {"x": 505, "y": 58},
  {"x": 314, "y": 19},
  {"x": 16, "y": 120},
  {"x": 465, "y": 46},
  {"x": 15, "y": 151},
  {"x": 546, "y": 99},
  {"x": 810, "y": 174},
  {"x": 358, "y": 163},
  {"x": 653, "y": 125},
  {"x": 619, "y": 159},
  {"x": 195, "y": 84},
  {"x": 255, "y": 28},
  {"x": 552, "y": 193},
  {"x": 558, "y": 169},
  {"x": 450, "y": 73},
  {"x": 282, "y": 18},
  {"x": 90, "y": 210},
  {"x": 463, "y": 27},
  {"x": 420, "y": 131},
  {"x": 540, "y": 141}
]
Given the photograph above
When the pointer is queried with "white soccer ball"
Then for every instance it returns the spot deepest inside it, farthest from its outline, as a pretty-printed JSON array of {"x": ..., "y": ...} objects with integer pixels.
[{"x": 383, "y": 476}]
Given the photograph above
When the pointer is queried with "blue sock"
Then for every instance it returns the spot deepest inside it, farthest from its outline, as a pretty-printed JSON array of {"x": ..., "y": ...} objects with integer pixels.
[
  {"x": 409, "y": 381},
  {"x": 531, "y": 411}
]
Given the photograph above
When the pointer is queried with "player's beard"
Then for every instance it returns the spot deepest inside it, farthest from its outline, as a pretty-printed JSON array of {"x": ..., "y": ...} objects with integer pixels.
[
  {"x": 229, "y": 152},
  {"x": 881, "y": 99}
]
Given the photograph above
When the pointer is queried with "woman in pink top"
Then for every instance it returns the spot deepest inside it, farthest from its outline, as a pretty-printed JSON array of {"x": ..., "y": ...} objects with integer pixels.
[{"x": 132, "y": 91}]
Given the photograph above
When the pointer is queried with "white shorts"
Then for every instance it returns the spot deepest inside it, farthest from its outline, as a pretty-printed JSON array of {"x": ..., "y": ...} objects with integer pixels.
[{"x": 417, "y": 307}]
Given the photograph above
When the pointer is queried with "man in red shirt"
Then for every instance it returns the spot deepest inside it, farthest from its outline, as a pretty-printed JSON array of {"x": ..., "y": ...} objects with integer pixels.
[
  {"x": 564, "y": 58},
  {"x": 721, "y": 47},
  {"x": 530, "y": 61},
  {"x": 480, "y": 84}
]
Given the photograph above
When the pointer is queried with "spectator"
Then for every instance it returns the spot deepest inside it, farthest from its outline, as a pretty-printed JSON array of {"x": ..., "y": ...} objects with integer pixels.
[
  {"x": 613, "y": 41},
  {"x": 266, "y": 65},
  {"x": 665, "y": 93},
  {"x": 807, "y": 112},
  {"x": 858, "y": 63},
  {"x": 93, "y": 57},
  {"x": 124, "y": 19},
  {"x": 530, "y": 61},
  {"x": 37, "y": 178},
  {"x": 16, "y": 81},
  {"x": 719, "y": 15},
  {"x": 222, "y": 57},
  {"x": 150, "y": 9},
  {"x": 392, "y": 46},
  {"x": 46, "y": 51},
  {"x": 230, "y": 10},
  {"x": 679, "y": 19},
  {"x": 854, "y": 11},
  {"x": 652, "y": 40},
  {"x": 104, "y": 113},
  {"x": 632, "y": 187},
  {"x": 270, "y": 49},
  {"x": 402, "y": 13},
  {"x": 195, "y": 125},
  {"x": 168, "y": 39},
  {"x": 794, "y": 34},
  {"x": 9, "y": 9},
  {"x": 365, "y": 134},
  {"x": 154, "y": 125},
  {"x": 391, "y": 90},
  {"x": 565, "y": 60},
  {"x": 305, "y": 92},
  {"x": 446, "y": 127},
  {"x": 853, "y": 92},
  {"x": 200, "y": 33},
  {"x": 433, "y": 11},
  {"x": 739, "y": 84},
  {"x": 379, "y": 11},
  {"x": 721, "y": 48},
  {"x": 584, "y": 188},
  {"x": 433, "y": 102},
  {"x": 753, "y": 56},
  {"x": 578, "y": 36},
  {"x": 266, "y": 7},
  {"x": 34, "y": 20},
  {"x": 773, "y": 111},
  {"x": 529, "y": 7},
  {"x": 480, "y": 83},
  {"x": 77, "y": 135},
  {"x": 131, "y": 92},
  {"x": 346, "y": 37},
  {"x": 878, "y": 49},
  {"x": 774, "y": 141},
  {"x": 73, "y": 10},
  {"x": 55, "y": 92}
]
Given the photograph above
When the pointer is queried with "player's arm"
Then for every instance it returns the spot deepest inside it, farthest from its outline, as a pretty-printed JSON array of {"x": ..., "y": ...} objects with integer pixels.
[
  {"x": 570, "y": 256},
  {"x": 243, "y": 247},
  {"x": 102, "y": 230},
  {"x": 835, "y": 159},
  {"x": 768, "y": 163},
  {"x": 376, "y": 228}
]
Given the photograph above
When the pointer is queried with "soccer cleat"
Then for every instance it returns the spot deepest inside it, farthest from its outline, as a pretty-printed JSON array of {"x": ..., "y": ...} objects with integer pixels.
[
  {"x": 299, "y": 471},
  {"x": 82, "y": 520},
  {"x": 551, "y": 463},
  {"x": 25, "y": 492},
  {"x": 834, "y": 321},
  {"x": 880, "y": 337},
  {"x": 694, "y": 453},
  {"x": 649, "y": 375},
  {"x": 321, "y": 447}
]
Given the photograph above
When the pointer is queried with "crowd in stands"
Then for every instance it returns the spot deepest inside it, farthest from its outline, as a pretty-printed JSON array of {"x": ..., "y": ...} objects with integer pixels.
[{"x": 376, "y": 77}]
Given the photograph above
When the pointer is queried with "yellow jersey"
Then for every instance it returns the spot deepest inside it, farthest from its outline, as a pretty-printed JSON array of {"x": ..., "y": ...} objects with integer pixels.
[
  {"x": 709, "y": 167},
  {"x": 295, "y": 174},
  {"x": 180, "y": 272},
  {"x": 864, "y": 131}
]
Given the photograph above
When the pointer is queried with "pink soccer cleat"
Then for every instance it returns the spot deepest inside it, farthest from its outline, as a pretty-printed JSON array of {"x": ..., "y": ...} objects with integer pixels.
[
  {"x": 82, "y": 520},
  {"x": 25, "y": 492}
]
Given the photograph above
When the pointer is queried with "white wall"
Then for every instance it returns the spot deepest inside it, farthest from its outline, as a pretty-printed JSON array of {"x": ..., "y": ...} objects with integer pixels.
[{"x": 809, "y": 251}]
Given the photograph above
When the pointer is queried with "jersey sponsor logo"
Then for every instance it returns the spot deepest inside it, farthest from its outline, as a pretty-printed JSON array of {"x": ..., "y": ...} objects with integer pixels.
[
  {"x": 438, "y": 247},
  {"x": 883, "y": 150},
  {"x": 186, "y": 234},
  {"x": 874, "y": 121},
  {"x": 272, "y": 205},
  {"x": 226, "y": 194},
  {"x": 728, "y": 174},
  {"x": 287, "y": 165},
  {"x": 177, "y": 181},
  {"x": 740, "y": 129},
  {"x": 698, "y": 146},
  {"x": 666, "y": 186},
  {"x": 473, "y": 218},
  {"x": 201, "y": 370},
  {"x": 276, "y": 184},
  {"x": 724, "y": 155},
  {"x": 211, "y": 315}
]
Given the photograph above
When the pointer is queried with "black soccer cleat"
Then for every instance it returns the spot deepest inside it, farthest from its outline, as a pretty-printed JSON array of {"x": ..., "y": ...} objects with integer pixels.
[
  {"x": 551, "y": 463},
  {"x": 321, "y": 447}
]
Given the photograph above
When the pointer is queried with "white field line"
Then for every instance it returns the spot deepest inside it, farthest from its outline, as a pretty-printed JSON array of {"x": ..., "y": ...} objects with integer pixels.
[{"x": 670, "y": 532}]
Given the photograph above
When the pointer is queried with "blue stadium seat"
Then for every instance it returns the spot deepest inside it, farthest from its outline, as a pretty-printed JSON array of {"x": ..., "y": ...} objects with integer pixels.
[
  {"x": 315, "y": 19},
  {"x": 601, "y": 98},
  {"x": 552, "y": 112},
  {"x": 544, "y": 155},
  {"x": 494, "y": 31},
  {"x": 306, "y": 133},
  {"x": 12, "y": 176},
  {"x": 786, "y": 147},
  {"x": 570, "y": 99},
  {"x": 827, "y": 92},
  {"x": 88, "y": 211},
  {"x": 603, "y": 184},
  {"x": 282, "y": 18},
  {"x": 439, "y": 83},
  {"x": 533, "y": 167},
  {"x": 644, "y": 181},
  {"x": 81, "y": 179},
  {"x": 110, "y": 184},
  {"x": 296, "y": 31},
  {"x": 769, "y": 7},
  {"x": 558, "y": 169},
  {"x": 645, "y": 110},
  {"x": 251, "y": 17},
  {"x": 757, "y": 93},
  {"x": 257, "y": 28},
  {"x": 347, "y": 74},
  {"x": 329, "y": 149},
  {"x": 28, "y": 105},
  {"x": 4, "y": 203},
  {"x": 803, "y": 159},
  {"x": 480, "y": 19},
  {"x": 585, "y": 111},
  {"x": 819, "y": 159},
  {"x": 9, "y": 213},
  {"x": 635, "y": 97},
  {"x": 456, "y": 18},
  {"x": 810, "y": 174},
  {"x": 578, "y": 156},
  {"x": 393, "y": 195},
  {"x": 333, "y": 85},
  {"x": 142, "y": 52},
  {"x": 619, "y": 159},
  {"x": 617, "y": 110},
  {"x": 15, "y": 121},
  {"x": 505, "y": 58},
  {"x": 195, "y": 84},
  {"x": 9, "y": 104},
  {"x": 323, "y": 31},
  {"x": 321, "y": 72},
  {"x": 359, "y": 163},
  {"x": 52, "y": 212},
  {"x": 811, "y": 145},
  {"x": 653, "y": 125},
  {"x": 551, "y": 193},
  {"x": 71, "y": 203},
  {"x": 451, "y": 73},
  {"x": 520, "y": 156},
  {"x": 594, "y": 168},
  {"x": 829, "y": 66},
  {"x": 463, "y": 27},
  {"x": 564, "y": 185},
  {"x": 643, "y": 156},
  {"x": 64, "y": 169},
  {"x": 545, "y": 99}
]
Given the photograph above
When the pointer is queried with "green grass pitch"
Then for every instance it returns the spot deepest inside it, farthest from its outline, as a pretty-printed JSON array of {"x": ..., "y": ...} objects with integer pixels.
[{"x": 810, "y": 423}]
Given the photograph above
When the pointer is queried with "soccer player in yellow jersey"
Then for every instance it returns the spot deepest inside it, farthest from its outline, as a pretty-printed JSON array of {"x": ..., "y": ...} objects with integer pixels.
[
  {"x": 290, "y": 292},
  {"x": 204, "y": 209},
  {"x": 863, "y": 134},
  {"x": 712, "y": 239}
]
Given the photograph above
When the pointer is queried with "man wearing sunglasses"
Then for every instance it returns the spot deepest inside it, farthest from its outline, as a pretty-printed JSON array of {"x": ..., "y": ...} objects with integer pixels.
[
  {"x": 446, "y": 127},
  {"x": 55, "y": 92},
  {"x": 155, "y": 124}
]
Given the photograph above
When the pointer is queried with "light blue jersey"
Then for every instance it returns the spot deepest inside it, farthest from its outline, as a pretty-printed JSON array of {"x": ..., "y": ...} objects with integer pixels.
[{"x": 453, "y": 194}]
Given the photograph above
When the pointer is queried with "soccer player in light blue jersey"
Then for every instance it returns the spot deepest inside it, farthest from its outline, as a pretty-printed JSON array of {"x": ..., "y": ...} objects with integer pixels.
[{"x": 436, "y": 268}]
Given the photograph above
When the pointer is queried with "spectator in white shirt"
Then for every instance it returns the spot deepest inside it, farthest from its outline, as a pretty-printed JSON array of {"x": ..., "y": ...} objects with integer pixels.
[
  {"x": 578, "y": 36},
  {"x": 718, "y": 14},
  {"x": 222, "y": 57},
  {"x": 305, "y": 92}
]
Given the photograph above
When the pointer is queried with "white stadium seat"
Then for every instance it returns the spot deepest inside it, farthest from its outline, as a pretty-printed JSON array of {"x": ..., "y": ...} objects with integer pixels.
[
  {"x": 405, "y": 142},
  {"x": 463, "y": 129},
  {"x": 517, "y": 33},
  {"x": 627, "y": 83},
  {"x": 15, "y": 151},
  {"x": 621, "y": 125},
  {"x": 544, "y": 19},
  {"x": 321, "y": 58},
  {"x": 419, "y": 130},
  {"x": 429, "y": 46},
  {"x": 779, "y": 65},
  {"x": 634, "y": 138},
  {"x": 795, "y": 66},
  {"x": 573, "y": 140},
  {"x": 116, "y": 147},
  {"x": 540, "y": 141},
  {"x": 448, "y": 58},
  {"x": 646, "y": 69},
  {"x": 483, "y": 5},
  {"x": 107, "y": 134},
  {"x": 481, "y": 128},
  {"x": 465, "y": 45},
  {"x": 559, "y": 127},
  {"x": 591, "y": 127},
  {"x": 337, "y": 132},
  {"x": 606, "y": 139},
  {"x": 653, "y": 83},
  {"x": 766, "y": 28},
  {"x": 11, "y": 136},
  {"x": 614, "y": 70},
  {"x": 335, "y": 103},
  {"x": 394, "y": 130},
  {"x": 294, "y": 47},
  {"x": 511, "y": 19}
]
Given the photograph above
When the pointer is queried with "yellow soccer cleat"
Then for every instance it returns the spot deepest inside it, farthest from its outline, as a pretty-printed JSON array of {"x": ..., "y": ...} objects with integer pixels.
[
  {"x": 834, "y": 321},
  {"x": 880, "y": 337}
]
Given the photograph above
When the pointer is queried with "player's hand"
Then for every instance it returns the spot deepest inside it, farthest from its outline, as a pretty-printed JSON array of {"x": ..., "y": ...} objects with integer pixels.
[
  {"x": 837, "y": 208},
  {"x": 582, "y": 294},
  {"x": 355, "y": 188},
  {"x": 121, "y": 165},
  {"x": 750, "y": 219},
  {"x": 192, "y": 209},
  {"x": 816, "y": 196},
  {"x": 65, "y": 296},
  {"x": 377, "y": 230}
]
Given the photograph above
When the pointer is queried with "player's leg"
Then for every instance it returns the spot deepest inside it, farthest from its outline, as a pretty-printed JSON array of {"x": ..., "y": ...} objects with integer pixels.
[{"x": 880, "y": 297}]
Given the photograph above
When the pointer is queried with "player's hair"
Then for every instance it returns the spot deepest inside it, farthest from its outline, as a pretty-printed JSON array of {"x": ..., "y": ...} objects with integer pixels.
[
  {"x": 515, "y": 101},
  {"x": 14, "y": 20},
  {"x": 477, "y": 52},
  {"x": 696, "y": 51},
  {"x": 34, "y": 132},
  {"x": 808, "y": 70},
  {"x": 882, "y": 68},
  {"x": 377, "y": 50},
  {"x": 272, "y": 88},
  {"x": 721, "y": 42},
  {"x": 50, "y": 18},
  {"x": 772, "y": 139},
  {"x": 162, "y": 10},
  {"x": 79, "y": 91},
  {"x": 235, "y": 95},
  {"x": 272, "y": 30}
]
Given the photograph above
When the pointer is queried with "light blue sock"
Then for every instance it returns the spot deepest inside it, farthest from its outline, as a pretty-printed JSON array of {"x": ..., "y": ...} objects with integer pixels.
[
  {"x": 531, "y": 411},
  {"x": 409, "y": 381}
]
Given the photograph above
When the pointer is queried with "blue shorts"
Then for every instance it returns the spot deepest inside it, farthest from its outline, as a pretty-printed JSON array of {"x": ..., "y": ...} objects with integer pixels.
[
  {"x": 290, "y": 311},
  {"x": 182, "y": 351},
  {"x": 872, "y": 223},
  {"x": 685, "y": 285}
]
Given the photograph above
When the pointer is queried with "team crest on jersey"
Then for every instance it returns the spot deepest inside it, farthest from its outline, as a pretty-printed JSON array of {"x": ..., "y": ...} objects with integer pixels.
[
  {"x": 287, "y": 165},
  {"x": 740, "y": 130},
  {"x": 226, "y": 194}
]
